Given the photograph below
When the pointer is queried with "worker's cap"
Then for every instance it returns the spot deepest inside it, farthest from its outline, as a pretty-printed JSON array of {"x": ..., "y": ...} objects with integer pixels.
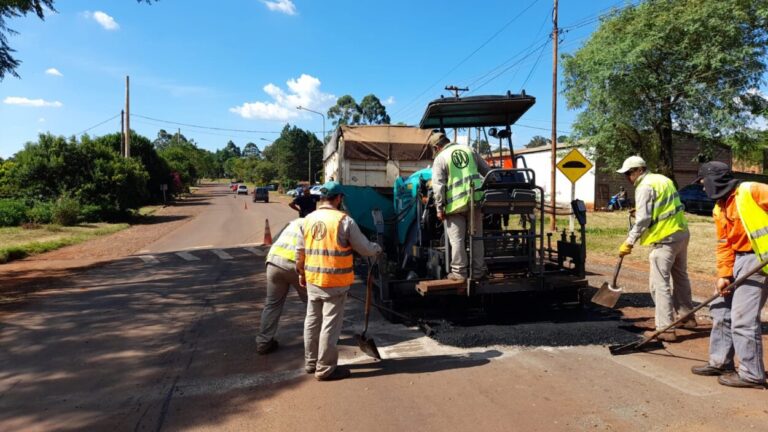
[
  {"x": 437, "y": 138},
  {"x": 631, "y": 162},
  {"x": 331, "y": 189},
  {"x": 717, "y": 178}
]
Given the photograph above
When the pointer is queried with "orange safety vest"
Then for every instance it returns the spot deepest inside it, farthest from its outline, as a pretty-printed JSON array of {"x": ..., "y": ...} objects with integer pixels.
[{"x": 327, "y": 264}]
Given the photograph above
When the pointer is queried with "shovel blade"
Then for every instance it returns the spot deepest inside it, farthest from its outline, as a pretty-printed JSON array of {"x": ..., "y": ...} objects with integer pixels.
[
  {"x": 635, "y": 347},
  {"x": 607, "y": 295},
  {"x": 368, "y": 346}
]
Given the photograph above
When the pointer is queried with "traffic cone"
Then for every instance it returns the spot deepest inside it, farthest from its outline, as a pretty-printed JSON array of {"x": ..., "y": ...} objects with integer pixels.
[{"x": 267, "y": 234}]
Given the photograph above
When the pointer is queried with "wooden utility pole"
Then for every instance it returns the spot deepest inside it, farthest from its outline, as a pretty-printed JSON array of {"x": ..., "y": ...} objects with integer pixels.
[
  {"x": 456, "y": 91},
  {"x": 553, "y": 189},
  {"x": 127, "y": 130},
  {"x": 122, "y": 132}
]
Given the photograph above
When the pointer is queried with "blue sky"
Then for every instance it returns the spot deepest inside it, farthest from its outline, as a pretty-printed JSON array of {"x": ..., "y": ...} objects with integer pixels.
[{"x": 246, "y": 64}]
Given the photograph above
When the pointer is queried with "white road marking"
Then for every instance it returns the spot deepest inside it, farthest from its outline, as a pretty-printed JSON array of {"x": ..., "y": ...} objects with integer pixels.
[
  {"x": 257, "y": 252},
  {"x": 221, "y": 254},
  {"x": 187, "y": 256},
  {"x": 149, "y": 259}
]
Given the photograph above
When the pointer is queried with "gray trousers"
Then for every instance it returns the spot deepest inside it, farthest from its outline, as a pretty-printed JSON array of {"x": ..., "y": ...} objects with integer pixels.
[
  {"x": 736, "y": 324},
  {"x": 279, "y": 281},
  {"x": 668, "y": 280},
  {"x": 322, "y": 327},
  {"x": 456, "y": 228}
]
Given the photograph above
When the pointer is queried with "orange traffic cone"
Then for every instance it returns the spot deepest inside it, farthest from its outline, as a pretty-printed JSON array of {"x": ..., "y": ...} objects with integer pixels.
[{"x": 267, "y": 234}]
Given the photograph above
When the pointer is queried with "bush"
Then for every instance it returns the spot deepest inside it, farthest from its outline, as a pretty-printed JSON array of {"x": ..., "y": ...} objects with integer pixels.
[
  {"x": 66, "y": 210},
  {"x": 12, "y": 212},
  {"x": 40, "y": 213},
  {"x": 91, "y": 213}
]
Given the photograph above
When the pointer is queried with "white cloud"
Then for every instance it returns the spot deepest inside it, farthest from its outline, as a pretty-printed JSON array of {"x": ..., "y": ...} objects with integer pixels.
[
  {"x": 303, "y": 91},
  {"x": 41, "y": 120},
  {"x": 54, "y": 72},
  {"x": 103, "y": 19},
  {"x": 15, "y": 100},
  {"x": 390, "y": 101},
  {"x": 285, "y": 6}
]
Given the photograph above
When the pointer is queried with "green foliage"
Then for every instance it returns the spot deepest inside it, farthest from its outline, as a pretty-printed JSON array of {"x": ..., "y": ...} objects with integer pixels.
[
  {"x": 687, "y": 64},
  {"x": 372, "y": 111},
  {"x": 66, "y": 211},
  {"x": 290, "y": 153},
  {"x": 40, "y": 213},
  {"x": 538, "y": 141},
  {"x": 12, "y": 212},
  {"x": 251, "y": 150},
  {"x": 348, "y": 112}
]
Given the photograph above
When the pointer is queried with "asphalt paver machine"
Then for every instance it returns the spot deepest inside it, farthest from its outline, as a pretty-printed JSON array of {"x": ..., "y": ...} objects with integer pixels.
[{"x": 521, "y": 258}]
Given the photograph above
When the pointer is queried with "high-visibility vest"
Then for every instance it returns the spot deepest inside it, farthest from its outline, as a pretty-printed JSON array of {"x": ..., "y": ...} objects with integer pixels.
[
  {"x": 754, "y": 219},
  {"x": 326, "y": 264},
  {"x": 667, "y": 216},
  {"x": 283, "y": 251},
  {"x": 462, "y": 173}
]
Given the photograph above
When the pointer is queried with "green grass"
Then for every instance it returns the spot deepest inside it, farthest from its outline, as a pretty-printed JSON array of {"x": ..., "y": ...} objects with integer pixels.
[
  {"x": 20, "y": 242},
  {"x": 148, "y": 210},
  {"x": 606, "y": 231}
]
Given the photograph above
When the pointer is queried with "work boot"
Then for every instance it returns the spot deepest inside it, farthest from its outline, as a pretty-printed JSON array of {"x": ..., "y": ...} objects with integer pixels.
[
  {"x": 734, "y": 380},
  {"x": 310, "y": 369},
  {"x": 267, "y": 348},
  {"x": 689, "y": 324},
  {"x": 338, "y": 374},
  {"x": 709, "y": 370},
  {"x": 456, "y": 277},
  {"x": 667, "y": 336}
]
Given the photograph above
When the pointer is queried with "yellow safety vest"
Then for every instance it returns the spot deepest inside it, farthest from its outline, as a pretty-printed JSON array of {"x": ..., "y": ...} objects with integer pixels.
[
  {"x": 667, "y": 216},
  {"x": 462, "y": 172},
  {"x": 285, "y": 246},
  {"x": 326, "y": 264},
  {"x": 754, "y": 219}
]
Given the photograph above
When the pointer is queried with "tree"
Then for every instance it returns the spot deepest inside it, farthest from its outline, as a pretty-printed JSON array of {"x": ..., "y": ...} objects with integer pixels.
[
  {"x": 14, "y": 9},
  {"x": 345, "y": 112},
  {"x": 290, "y": 153},
  {"x": 664, "y": 64},
  {"x": 251, "y": 150},
  {"x": 372, "y": 111},
  {"x": 483, "y": 147},
  {"x": 538, "y": 141}
]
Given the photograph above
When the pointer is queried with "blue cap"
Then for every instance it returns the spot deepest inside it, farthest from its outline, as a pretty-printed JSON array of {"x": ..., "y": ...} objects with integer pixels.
[{"x": 331, "y": 189}]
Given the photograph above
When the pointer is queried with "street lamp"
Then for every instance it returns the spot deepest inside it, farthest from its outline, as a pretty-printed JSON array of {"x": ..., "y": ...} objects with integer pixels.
[{"x": 309, "y": 174}]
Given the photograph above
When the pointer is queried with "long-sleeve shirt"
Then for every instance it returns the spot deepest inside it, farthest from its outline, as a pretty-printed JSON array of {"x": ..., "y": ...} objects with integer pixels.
[
  {"x": 440, "y": 173},
  {"x": 645, "y": 197},
  {"x": 731, "y": 236}
]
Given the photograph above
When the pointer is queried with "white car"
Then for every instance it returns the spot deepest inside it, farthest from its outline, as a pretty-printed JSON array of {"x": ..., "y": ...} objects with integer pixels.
[
  {"x": 315, "y": 190},
  {"x": 242, "y": 190}
]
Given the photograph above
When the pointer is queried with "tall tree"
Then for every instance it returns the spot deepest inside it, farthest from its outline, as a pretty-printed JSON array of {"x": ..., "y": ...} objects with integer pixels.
[
  {"x": 664, "y": 64},
  {"x": 251, "y": 150},
  {"x": 14, "y": 9},
  {"x": 538, "y": 141},
  {"x": 372, "y": 111},
  {"x": 345, "y": 112}
]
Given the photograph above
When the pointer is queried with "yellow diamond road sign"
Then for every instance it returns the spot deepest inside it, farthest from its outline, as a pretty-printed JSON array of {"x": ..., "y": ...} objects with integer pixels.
[{"x": 574, "y": 165}]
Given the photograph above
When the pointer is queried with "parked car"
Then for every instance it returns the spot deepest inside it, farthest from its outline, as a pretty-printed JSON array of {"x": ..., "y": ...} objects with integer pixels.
[
  {"x": 696, "y": 200},
  {"x": 315, "y": 190},
  {"x": 261, "y": 194},
  {"x": 292, "y": 192},
  {"x": 242, "y": 190},
  {"x": 233, "y": 186}
]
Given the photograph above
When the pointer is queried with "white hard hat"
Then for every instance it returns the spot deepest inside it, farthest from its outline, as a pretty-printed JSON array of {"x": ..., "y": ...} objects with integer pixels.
[{"x": 632, "y": 162}]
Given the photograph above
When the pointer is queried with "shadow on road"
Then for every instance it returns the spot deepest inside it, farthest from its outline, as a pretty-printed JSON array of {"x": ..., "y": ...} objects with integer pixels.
[{"x": 423, "y": 364}]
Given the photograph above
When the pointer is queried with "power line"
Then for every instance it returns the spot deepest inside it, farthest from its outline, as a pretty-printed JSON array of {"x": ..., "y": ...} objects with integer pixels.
[
  {"x": 99, "y": 124},
  {"x": 205, "y": 127}
]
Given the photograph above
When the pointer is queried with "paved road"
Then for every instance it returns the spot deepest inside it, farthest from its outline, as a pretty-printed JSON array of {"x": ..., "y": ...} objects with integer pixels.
[{"x": 164, "y": 341}]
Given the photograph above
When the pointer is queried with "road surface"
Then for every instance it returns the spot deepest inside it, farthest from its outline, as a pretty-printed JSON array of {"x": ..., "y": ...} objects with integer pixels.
[{"x": 163, "y": 340}]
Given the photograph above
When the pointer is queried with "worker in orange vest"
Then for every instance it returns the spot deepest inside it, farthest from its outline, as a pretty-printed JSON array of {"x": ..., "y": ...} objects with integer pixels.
[{"x": 325, "y": 267}]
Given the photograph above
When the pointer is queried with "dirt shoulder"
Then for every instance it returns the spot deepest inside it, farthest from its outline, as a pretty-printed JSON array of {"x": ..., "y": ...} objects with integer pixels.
[{"x": 43, "y": 271}]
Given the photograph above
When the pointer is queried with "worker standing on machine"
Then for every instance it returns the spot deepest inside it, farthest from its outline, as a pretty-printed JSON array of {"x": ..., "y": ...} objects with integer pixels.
[
  {"x": 660, "y": 223},
  {"x": 456, "y": 171},
  {"x": 741, "y": 224},
  {"x": 324, "y": 265}
]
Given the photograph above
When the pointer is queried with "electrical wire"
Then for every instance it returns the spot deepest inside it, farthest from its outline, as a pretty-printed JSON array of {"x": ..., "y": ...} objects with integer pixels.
[{"x": 100, "y": 123}]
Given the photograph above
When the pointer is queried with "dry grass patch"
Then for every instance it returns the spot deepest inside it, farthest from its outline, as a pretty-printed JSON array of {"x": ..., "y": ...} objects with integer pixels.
[{"x": 18, "y": 242}]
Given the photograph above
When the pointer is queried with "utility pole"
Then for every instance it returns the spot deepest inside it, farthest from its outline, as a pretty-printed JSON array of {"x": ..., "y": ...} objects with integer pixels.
[
  {"x": 122, "y": 132},
  {"x": 127, "y": 116},
  {"x": 456, "y": 91},
  {"x": 555, "y": 38}
]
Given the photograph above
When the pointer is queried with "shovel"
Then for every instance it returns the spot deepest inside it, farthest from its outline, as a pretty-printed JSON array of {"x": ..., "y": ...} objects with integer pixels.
[
  {"x": 647, "y": 343},
  {"x": 367, "y": 344},
  {"x": 608, "y": 294}
]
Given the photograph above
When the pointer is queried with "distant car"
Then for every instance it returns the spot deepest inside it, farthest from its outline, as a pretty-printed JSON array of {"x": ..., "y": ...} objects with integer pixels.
[
  {"x": 696, "y": 200},
  {"x": 261, "y": 194},
  {"x": 242, "y": 190},
  {"x": 315, "y": 190},
  {"x": 271, "y": 187},
  {"x": 233, "y": 186},
  {"x": 292, "y": 192}
]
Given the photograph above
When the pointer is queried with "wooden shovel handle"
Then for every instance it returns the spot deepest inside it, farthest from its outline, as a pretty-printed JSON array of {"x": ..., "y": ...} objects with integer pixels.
[{"x": 616, "y": 271}]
